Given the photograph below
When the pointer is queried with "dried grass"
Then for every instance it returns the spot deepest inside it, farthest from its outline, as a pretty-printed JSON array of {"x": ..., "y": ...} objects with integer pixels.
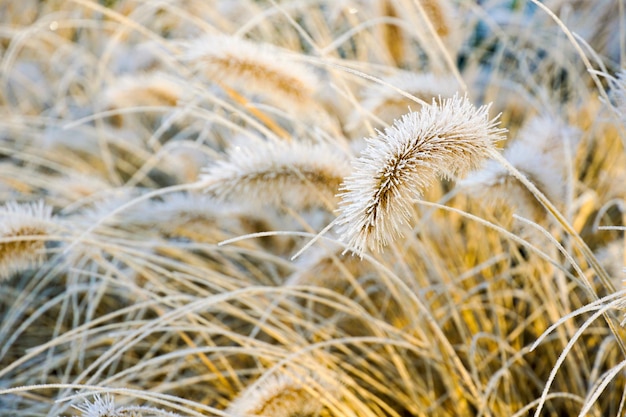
[{"x": 144, "y": 296}]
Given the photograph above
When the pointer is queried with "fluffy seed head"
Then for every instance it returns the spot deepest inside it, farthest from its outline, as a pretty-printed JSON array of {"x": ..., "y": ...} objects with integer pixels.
[
  {"x": 278, "y": 396},
  {"x": 149, "y": 89},
  {"x": 296, "y": 174},
  {"x": 16, "y": 222},
  {"x": 539, "y": 152},
  {"x": 254, "y": 68},
  {"x": 105, "y": 407},
  {"x": 100, "y": 407},
  {"x": 447, "y": 138}
]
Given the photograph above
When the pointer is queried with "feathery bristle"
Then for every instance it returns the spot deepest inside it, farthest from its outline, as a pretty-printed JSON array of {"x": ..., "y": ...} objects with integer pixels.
[
  {"x": 19, "y": 221},
  {"x": 298, "y": 175},
  {"x": 100, "y": 407},
  {"x": 447, "y": 138}
]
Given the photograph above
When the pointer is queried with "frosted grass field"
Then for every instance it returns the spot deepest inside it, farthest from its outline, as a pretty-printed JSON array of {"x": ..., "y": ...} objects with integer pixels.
[{"x": 312, "y": 208}]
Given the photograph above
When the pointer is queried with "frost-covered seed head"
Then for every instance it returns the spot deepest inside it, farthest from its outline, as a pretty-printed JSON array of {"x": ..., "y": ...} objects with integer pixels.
[
  {"x": 18, "y": 221},
  {"x": 145, "y": 89},
  {"x": 100, "y": 407},
  {"x": 277, "y": 396},
  {"x": 105, "y": 407},
  {"x": 296, "y": 174},
  {"x": 540, "y": 154},
  {"x": 255, "y": 68},
  {"x": 448, "y": 138}
]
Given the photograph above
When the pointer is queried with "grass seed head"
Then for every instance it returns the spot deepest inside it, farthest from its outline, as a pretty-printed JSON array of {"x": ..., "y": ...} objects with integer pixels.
[
  {"x": 296, "y": 174},
  {"x": 100, "y": 407},
  {"x": 105, "y": 407},
  {"x": 448, "y": 138},
  {"x": 254, "y": 68},
  {"x": 143, "y": 90},
  {"x": 277, "y": 396},
  {"x": 539, "y": 153},
  {"x": 18, "y": 221}
]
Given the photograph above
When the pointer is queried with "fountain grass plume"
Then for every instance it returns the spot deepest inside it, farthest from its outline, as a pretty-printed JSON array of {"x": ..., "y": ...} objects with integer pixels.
[
  {"x": 23, "y": 228},
  {"x": 297, "y": 174},
  {"x": 105, "y": 407},
  {"x": 447, "y": 138},
  {"x": 538, "y": 153},
  {"x": 279, "y": 395},
  {"x": 257, "y": 68}
]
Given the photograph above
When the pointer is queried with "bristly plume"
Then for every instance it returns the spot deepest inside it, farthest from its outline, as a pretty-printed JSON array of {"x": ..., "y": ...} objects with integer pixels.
[
  {"x": 146, "y": 89},
  {"x": 539, "y": 152},
  {"x": 18, "y": 223},
  {"x": 277, "y": 396},
  {"x": 105, "y": 407},
  {"x": 257, "y": 68},
  {"x": 447, "y": 138},
  {"x": 100, "y": 407},
  {"x": 296, "y": 174}
]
